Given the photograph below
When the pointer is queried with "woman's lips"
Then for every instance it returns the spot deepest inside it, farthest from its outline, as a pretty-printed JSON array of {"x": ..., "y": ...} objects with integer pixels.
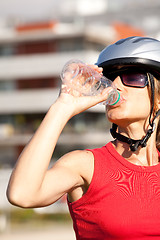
[{"x": 122, "y": 99}]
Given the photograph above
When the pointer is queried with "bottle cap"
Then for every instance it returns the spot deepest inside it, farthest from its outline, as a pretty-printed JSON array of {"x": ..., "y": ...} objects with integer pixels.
[{"x": 118, "y": 98}]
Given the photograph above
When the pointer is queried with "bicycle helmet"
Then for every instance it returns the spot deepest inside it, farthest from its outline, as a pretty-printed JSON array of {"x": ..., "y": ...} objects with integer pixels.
[{"x": 143, "y": 52}]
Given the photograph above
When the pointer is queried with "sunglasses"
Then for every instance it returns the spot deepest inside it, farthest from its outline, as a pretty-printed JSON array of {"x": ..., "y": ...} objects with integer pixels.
[{"x": 130, "y": 77}]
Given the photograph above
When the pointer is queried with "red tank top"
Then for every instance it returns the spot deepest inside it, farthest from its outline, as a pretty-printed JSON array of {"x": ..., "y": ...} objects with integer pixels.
[{"x": 122, "y": 202}]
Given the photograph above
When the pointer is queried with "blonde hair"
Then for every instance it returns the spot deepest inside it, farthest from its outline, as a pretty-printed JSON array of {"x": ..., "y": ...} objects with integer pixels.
[{"x": 156, "y": 108}]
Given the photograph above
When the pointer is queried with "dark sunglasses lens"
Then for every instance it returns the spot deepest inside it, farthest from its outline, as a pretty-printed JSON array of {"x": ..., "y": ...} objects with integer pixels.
[
  {"x": 134, "y": 79},
  {"x": 112, "y": 76}
]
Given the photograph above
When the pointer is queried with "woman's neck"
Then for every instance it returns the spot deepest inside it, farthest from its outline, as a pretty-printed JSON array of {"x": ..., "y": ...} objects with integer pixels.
[{"x": 146, "y": 156}]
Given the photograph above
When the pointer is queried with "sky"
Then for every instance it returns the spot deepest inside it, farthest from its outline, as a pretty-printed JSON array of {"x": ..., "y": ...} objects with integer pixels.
[
  {"x": 40, "y": 9},
  {"x": 22, "y": 11},
  {"x": 25, "y": 9}
]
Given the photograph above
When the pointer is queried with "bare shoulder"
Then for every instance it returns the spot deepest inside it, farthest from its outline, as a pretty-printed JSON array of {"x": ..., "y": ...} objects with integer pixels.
[{"x": 80, "y": 162}]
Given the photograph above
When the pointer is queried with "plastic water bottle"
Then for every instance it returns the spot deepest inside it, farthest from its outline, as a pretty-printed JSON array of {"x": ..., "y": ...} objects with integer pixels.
[{"x": 84, "y": 79}]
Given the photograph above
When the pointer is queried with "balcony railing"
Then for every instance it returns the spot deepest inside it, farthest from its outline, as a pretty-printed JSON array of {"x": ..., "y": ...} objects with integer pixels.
[
  {"x": 72, "y": 139},
  {"x": 31, "y": 101},
  {"x": 40, "y": 65}
]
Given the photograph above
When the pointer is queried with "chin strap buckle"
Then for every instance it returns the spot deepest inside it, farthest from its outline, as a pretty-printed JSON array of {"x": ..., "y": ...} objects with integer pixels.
[
  {"x": 143, "y": 142},
  {"x": 134, "y": 146}
]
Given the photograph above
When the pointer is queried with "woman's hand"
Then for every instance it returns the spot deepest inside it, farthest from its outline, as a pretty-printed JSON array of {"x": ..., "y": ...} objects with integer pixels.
[{"x": 76, "y": 102}]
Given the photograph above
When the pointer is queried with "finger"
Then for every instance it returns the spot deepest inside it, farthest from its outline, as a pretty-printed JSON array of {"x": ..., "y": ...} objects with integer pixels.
[
  {"x": 96, "y": 68},
  {"x": 65, "y": 89}
]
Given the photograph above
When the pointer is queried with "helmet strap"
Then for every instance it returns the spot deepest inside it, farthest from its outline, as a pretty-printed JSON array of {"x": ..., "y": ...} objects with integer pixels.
[
  {"x": 152, "y": 97},
  {"x": 135, "y": 144}
]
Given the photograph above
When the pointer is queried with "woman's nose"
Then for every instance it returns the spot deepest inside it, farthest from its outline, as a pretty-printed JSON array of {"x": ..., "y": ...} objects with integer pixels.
[{"x": 118, "y": 83}]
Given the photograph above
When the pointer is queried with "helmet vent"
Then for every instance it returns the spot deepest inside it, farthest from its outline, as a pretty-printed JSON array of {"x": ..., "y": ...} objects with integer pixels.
[
  {"x": 144, "y": 38},
  {"x": 123, "y": 40},
  {"x": 136, "y": 40}
]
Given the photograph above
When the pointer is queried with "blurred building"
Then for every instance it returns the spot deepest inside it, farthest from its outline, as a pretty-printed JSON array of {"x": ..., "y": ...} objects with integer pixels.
[
  {"x": 31, "y": 58},
  {"x": 33, "y": 54}
]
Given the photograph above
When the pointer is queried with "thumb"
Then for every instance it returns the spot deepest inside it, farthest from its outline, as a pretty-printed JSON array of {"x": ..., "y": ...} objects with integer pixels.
[{"x": 104, "y": 94}]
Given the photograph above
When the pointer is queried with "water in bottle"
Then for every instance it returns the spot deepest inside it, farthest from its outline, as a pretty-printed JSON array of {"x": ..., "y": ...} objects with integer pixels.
[{"x": 84, "y": 79}]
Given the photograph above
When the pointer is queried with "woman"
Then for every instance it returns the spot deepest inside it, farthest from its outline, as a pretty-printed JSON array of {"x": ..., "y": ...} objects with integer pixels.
[{"x": 113, "y": 191}]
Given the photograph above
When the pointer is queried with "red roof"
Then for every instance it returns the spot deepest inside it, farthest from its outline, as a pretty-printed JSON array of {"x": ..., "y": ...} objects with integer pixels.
[
  {"x": 124, "y": 30},
  {"x": 36, "y": 26}
]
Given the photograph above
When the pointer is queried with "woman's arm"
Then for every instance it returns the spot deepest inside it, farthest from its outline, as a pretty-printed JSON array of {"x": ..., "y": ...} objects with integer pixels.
[
  {"x": 31, "y": 183},
  {"x": 29, "y": 172}
]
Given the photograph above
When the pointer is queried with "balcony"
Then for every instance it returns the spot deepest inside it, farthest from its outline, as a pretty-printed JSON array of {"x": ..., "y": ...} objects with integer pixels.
[
  {"x": 85, "y": 139},
  {"x": 40, "y": 65},
  {"x": 31, "y": 101}
]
